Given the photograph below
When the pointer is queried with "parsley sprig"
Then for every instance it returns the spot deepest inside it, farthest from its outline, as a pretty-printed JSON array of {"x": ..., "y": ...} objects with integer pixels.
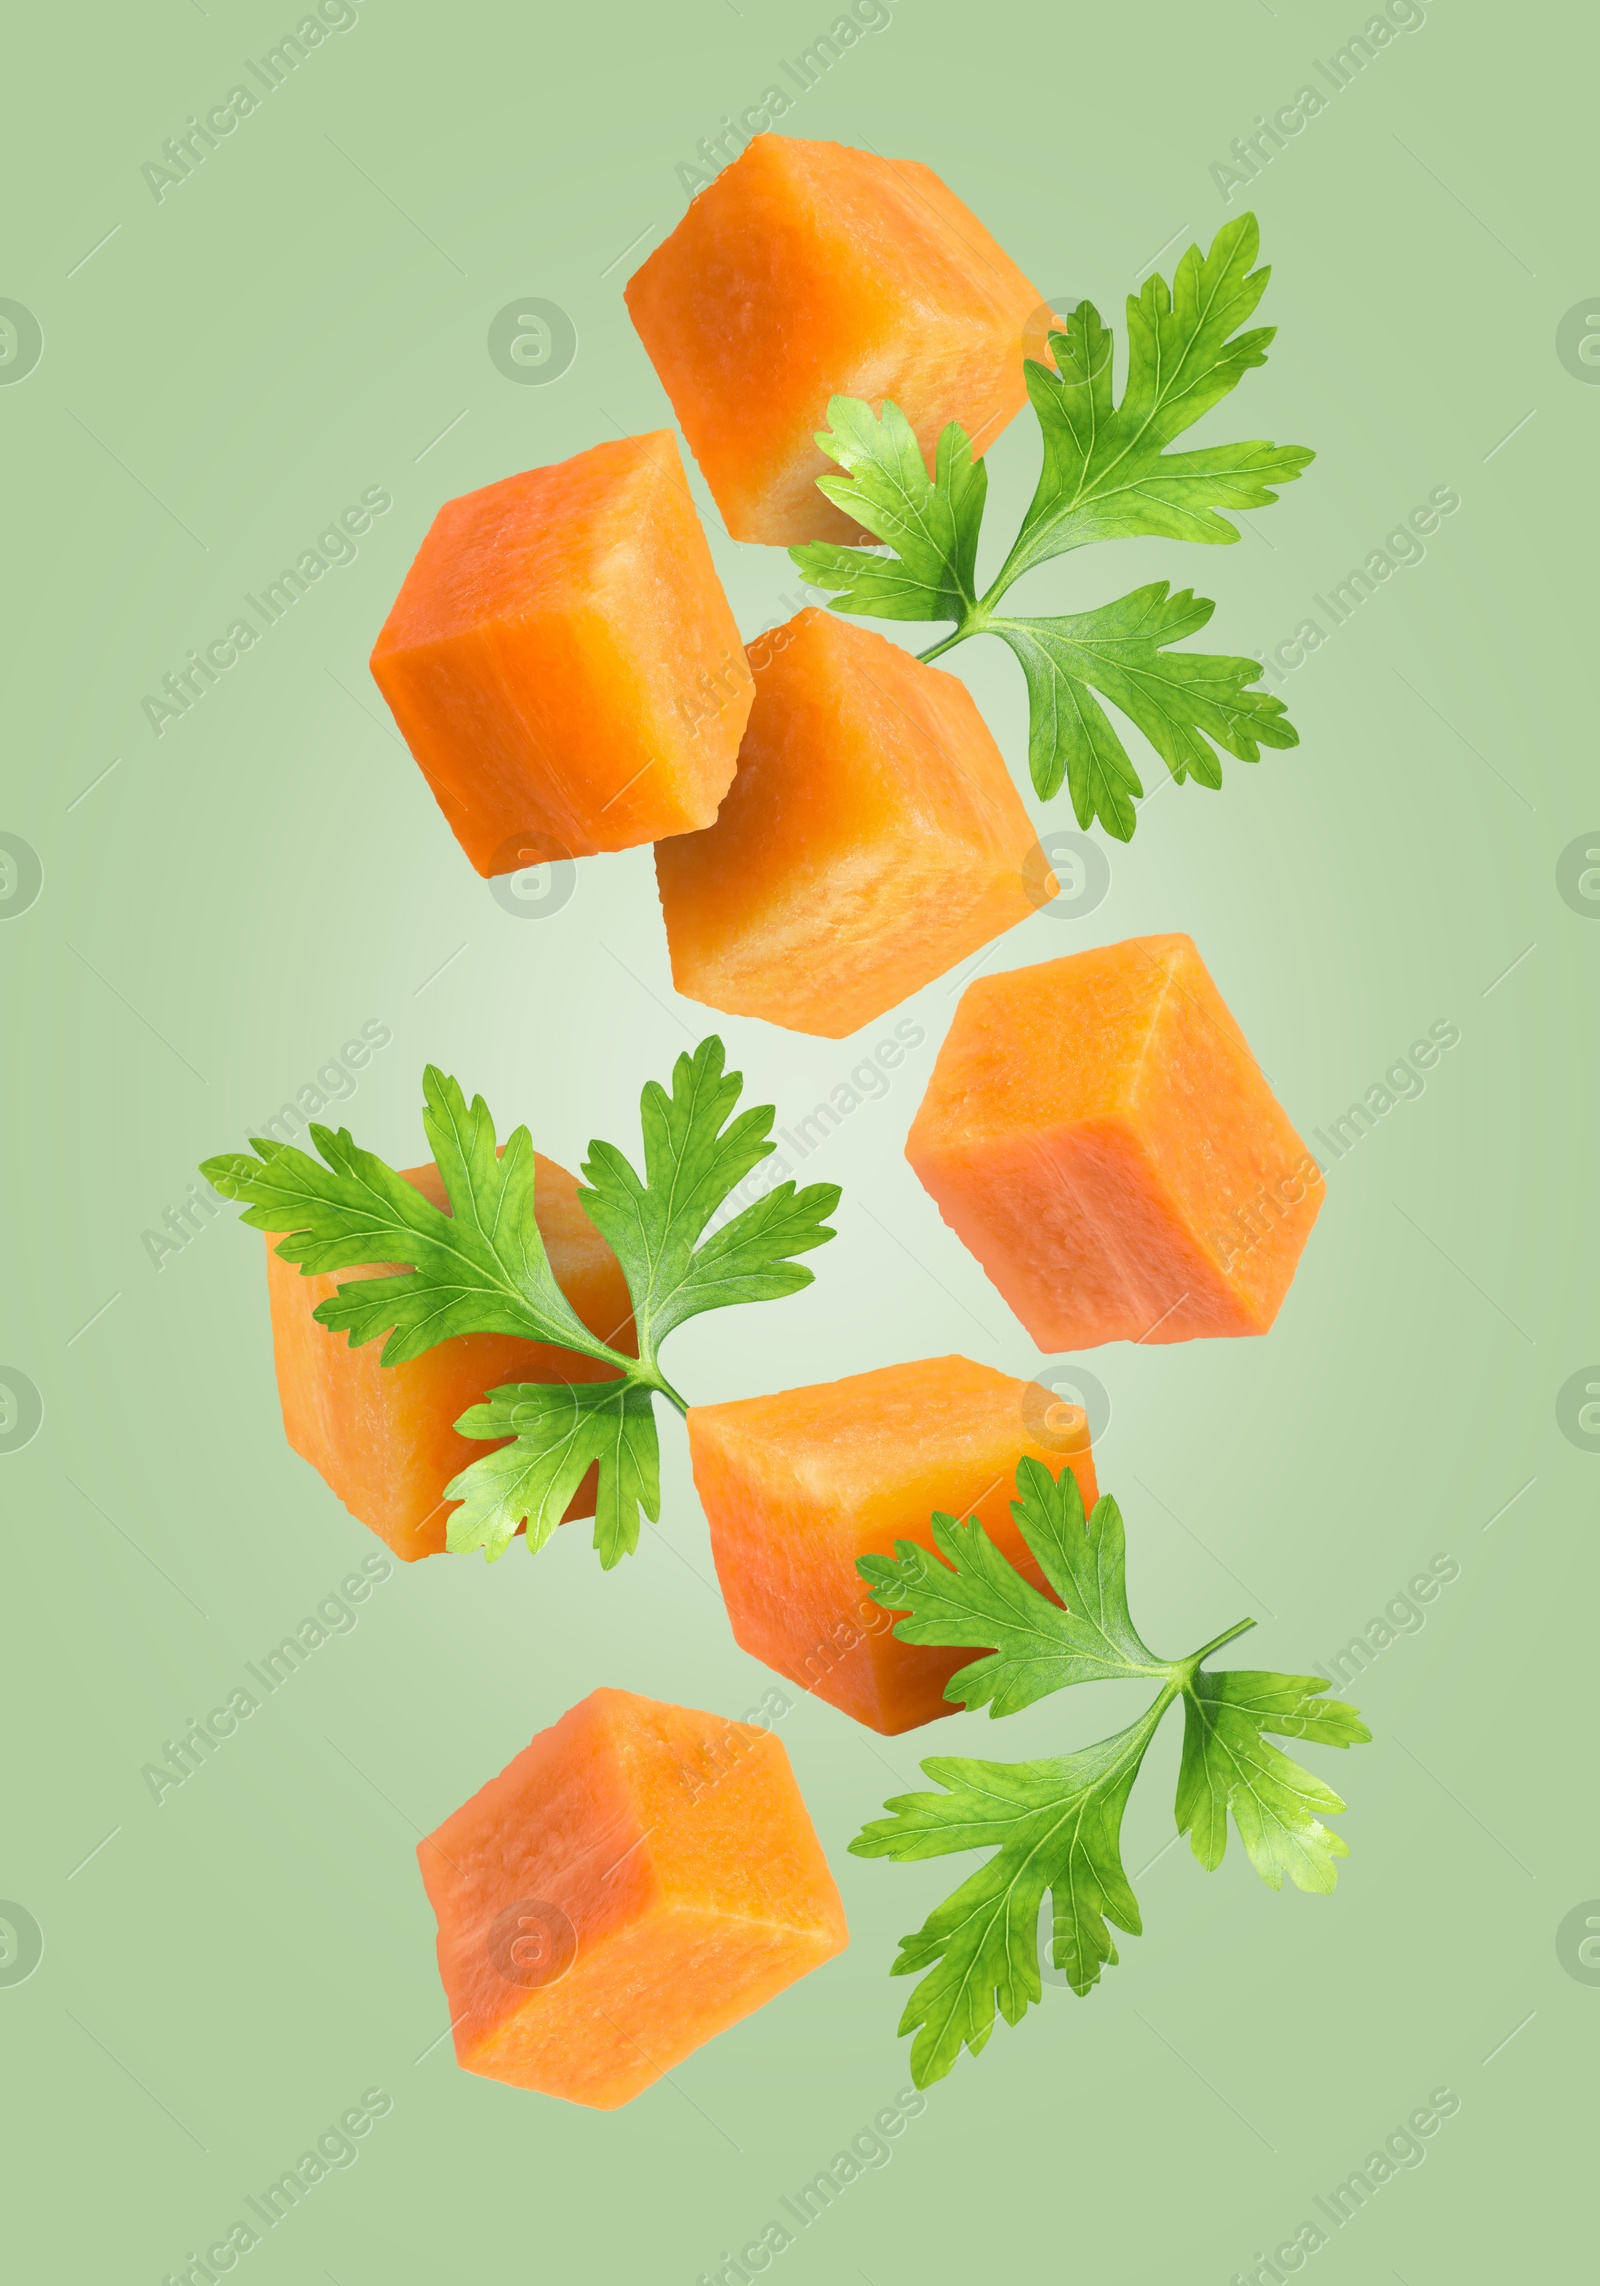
[
  {"x": 1106, "y": 474},
  {"x": 482, "y": 1268},
  {"x": 1054, "y": 1826}
]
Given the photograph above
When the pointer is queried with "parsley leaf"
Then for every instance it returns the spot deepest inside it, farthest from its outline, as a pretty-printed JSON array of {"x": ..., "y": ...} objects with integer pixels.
[
  {"x": 1181, "y": 700},
  {"x": 692, "y": 1161},
  {"x": 1055, "y": 1825},
  {"x": 932, "y": 524},
  {"x": 1228, "y": 1766},
  {"x": 976, "y": 1596},
  {"x": 482, "y": 1268},
  {"x": 561, "y": 1431},
  {"x": 1105, "y": 474}
]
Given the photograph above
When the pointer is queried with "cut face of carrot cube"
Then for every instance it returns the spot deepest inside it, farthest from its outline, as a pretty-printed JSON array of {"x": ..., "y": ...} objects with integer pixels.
[
  {"x": 638, "y": 1879},
  {"x": 562, "y": 661},
  {"x": 1099, "y": 1135},
  {"x": 797, "y": 1486},
  {"x": 383, "y": 1436},
  {"x": 871, "y": 839},
  {"x": 808, "y": 271}
]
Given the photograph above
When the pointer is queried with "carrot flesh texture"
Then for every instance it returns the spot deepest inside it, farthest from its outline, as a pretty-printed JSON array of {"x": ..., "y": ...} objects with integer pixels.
[
  {"x": 562, "y": 661},
  {"x": 1098, "y": 1134},
  {"x": 871, "y": 840},
  {"x": 382, "y": 1437},
  {"x": 796, "y": 1486},
  {"x": 809, "y": 270},
  {"x": 672, "y": 1852}
]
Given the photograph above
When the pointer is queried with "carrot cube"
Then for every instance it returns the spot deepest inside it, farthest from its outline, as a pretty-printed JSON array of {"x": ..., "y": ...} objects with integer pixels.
[
  {"x": 871, "y": 839},
  {"x": 797, "y": 1486},
  {"x": 638, "y": 1879},
  {"x": 383, "y": 1436},
  {"x": 807, "y": 271},
  {"x": 562, "y": 661},
  {"x": 1099, "y": 1135}
]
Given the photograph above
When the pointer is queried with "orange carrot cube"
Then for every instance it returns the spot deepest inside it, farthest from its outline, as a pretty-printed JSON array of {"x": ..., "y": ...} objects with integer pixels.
[
  {"x": 638, "y": 1879},
  {"x": 1099, "y": 1135},
  {"x": 797, "y": 1486},
  {"x": 872, "y": 839},
  {"x": 562, "y": 662},
  {"x": 383, "y": 1436},
  {"x": 807, "y": 271}
]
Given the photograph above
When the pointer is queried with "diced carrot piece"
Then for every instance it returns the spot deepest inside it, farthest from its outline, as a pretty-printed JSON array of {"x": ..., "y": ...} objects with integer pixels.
[
  {"x": 872, "y": 839},
  {"x": 638, "y": 1879},
  {"x": 1098, "y": 1133},
  {"x": 562, "y": 662},
  {"x": 382, "y": 1436},
  {"x": 797, "y": 1486},
  {"x": 808, "y": 271}
]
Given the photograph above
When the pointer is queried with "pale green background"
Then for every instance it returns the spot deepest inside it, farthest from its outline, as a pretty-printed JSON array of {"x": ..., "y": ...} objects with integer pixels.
[{"x": 298, "y": 322}]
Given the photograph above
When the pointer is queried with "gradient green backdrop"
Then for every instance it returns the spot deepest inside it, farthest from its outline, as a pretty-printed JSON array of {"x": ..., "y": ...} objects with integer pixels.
[{"x": 307, "y": 317}]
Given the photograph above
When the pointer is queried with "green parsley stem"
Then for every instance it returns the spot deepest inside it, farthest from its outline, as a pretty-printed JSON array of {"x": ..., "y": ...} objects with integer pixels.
[
  {"x": 652, "y": 1377},
  {"x": 948, "y": 644},
  {"x": 1242, "y": 1627}
]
